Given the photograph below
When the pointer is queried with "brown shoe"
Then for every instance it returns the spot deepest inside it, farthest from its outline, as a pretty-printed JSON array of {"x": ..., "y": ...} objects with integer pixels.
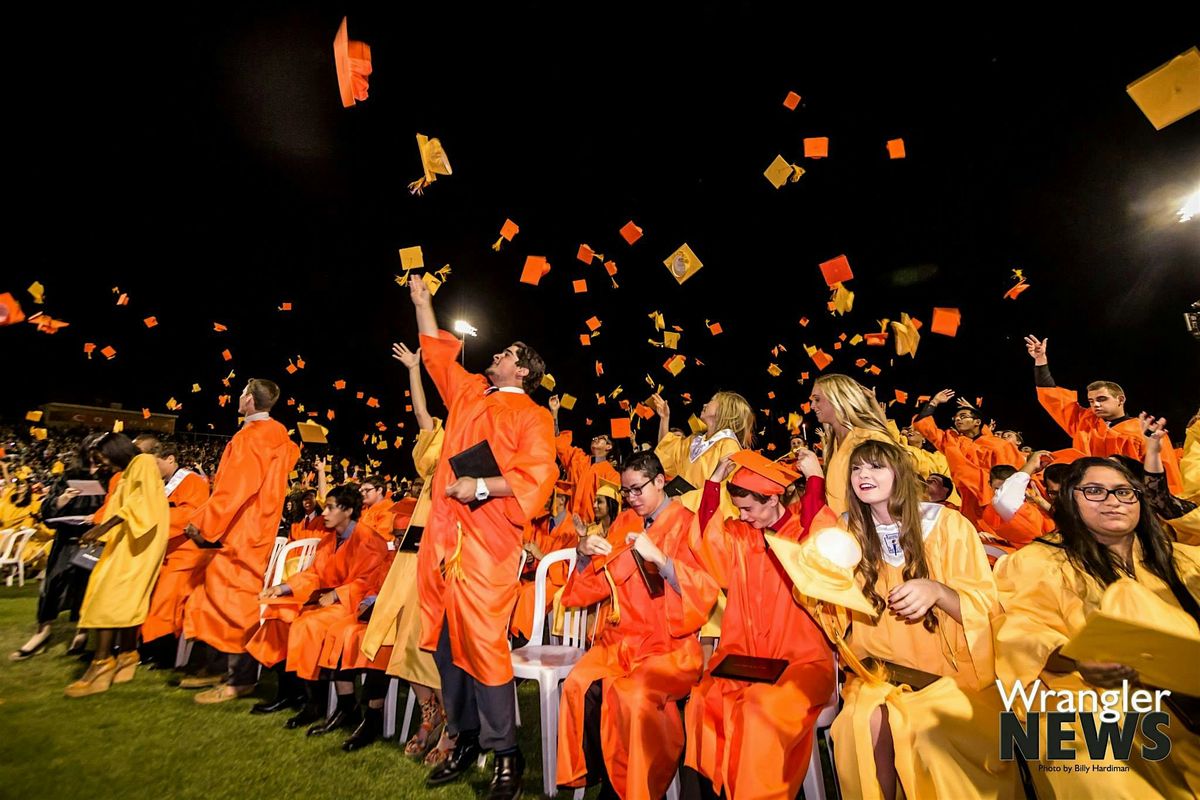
[
  {"x": 127, "y": 664},
  {"x": 97, "y": 679},
  {"x": 201, "y": 681},
  {"x": 223, "y": 693}
]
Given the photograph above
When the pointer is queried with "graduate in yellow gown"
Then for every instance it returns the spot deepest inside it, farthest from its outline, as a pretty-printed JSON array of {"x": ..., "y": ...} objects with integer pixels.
[
  {"x": 1106, "y": 533},
  {"x": 134, "y": 526},
  {"x": 921, "y": 710},
  {"x": 1187, "y": 526},
  {"x": 396, "y": 619},
  {"x": 850, "y": 416}
]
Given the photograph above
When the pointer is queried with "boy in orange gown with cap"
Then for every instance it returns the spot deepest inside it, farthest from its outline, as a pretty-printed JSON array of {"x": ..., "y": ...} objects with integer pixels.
[
  {"x": 648, "y": 657},
  {"x": 547, "y": 533},
  {"x": 326, "y": 593},
  {"x": 467, "y": 563},
  {"x": 183, "y": 566},
  {"x": 242, "y": 515},
  {"x": 585, "y": 471},
  {"x": 1103, "y": 428},
  {"x": 755, "y": 739}
]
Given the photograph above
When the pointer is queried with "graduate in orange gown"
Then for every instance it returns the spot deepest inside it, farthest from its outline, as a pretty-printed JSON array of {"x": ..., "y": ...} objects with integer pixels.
[
  {"x": 242, "y": 515},
  {"x": 377, "y": 513},
  {"x": 585, "y": 471},
  {"x": 326, "y": 593},
  {"x": 618, "y": 720},
  {"x": 467, "y": 563},
  {"x": 183, "y": 567},
  {"x": 1103, "y": 428},
  {"x": 755, "y": 739},
  {"x": 1013, "y": 520},
  {"x": 554, "y": 530}
]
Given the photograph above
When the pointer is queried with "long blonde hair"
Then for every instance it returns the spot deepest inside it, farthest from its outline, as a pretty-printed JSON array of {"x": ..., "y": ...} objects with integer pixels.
[
  {"x": 734, "y": 413},
  {"x": 905, "y": 508},
  {"x": 854, "y": 405}
]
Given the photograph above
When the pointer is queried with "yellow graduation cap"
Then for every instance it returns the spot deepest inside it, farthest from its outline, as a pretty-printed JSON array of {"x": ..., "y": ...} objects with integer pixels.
[
  {"x": 433, "y": 161},
  {"x": 696, "y": 424},
  {"x": 567, "y": 402},
  {"x": 907, "y": 336},
  {"x": 822, "y": 567},
  {"x": 432, "y": 282},
  {"x": 311, "y": 433},
  {"x": 682, "y": 264},
  {"x": 842, "y": 300},
  {"x": 411, "y": 258},
  {"x": 1171, "y": 92},
  {"x": 1133, "y": 626},
  {"x": 781, "y": 171},
  {"x": 670, "y": 340},
  {"x": 548, "y": 382}
]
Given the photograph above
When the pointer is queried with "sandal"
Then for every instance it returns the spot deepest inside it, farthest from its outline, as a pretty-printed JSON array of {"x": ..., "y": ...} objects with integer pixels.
[
  {"x": 433, "y": 719},
  {"x": 24, "y": 655},
  {"x": 439, "y": 754}
]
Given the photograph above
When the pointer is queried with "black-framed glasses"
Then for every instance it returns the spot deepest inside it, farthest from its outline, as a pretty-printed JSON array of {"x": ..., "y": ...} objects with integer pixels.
[
  {"x": 1098, "y": 494},
  {"x": 635, "y": 491}
]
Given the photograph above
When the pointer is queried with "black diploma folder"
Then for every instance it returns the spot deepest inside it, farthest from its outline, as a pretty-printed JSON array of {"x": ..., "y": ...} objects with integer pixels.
[
  {"x": 476, "y": 461},
  {"x": 750, "y": 668}
]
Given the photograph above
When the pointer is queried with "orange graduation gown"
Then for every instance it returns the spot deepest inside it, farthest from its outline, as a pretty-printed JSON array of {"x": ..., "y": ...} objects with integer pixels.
[
  {"x": 183, "y": 568},
  {"x": 1093, "y": 436},
  {"x": 975, "y": 486},
  {"x": 755, "y": 739},
  {"x": 243, "y": 514},
  {"x": 296, "y": 631},
  {"x": 342, "y": 648},
  {"x": 647, "y": 661},
  {"x": 560, "y": 537},
  {"x": 585, "y": 474},
  {"x": 380, "y": 518},
  {"x": 480, "y": 549}
]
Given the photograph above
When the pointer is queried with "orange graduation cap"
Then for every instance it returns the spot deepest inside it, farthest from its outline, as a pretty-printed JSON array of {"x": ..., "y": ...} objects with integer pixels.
[
  {"x": 675, "y": 364},
  {"x": 1016, "y": 290},
  {"x": 620, "y": 428},
  {"x": 536, "y": 268},
  {"x": 586, "y": 254},
  {"x": 353, "y": 63},
  {"x": 836, "y": 270},
  {"x": 10, "y": 310},
  {"x": 683, "y": 263},
  {"x": 759, "y": 474},
  {"x": 434, "y": 162},
  {"x": 946, "y": 321},
  {"x": 816, "y": 147},
  {"x": 219, "y": 328},
  {"x": 895, "y": 148},
  {"x": 791, "y": 101},
  {"x": 46, "y": 323},
  {"x": 507, "y": 231},
  {"x": 88, "y": 349},
  {"x": 630, "y": 232}
]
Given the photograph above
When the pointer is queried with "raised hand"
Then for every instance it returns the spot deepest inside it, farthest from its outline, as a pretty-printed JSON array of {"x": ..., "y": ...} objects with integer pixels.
[
  {"x": 1037, "y": 349},
  {"x": 407, "y": 357},
  {"x": 554, "y": 403},
  {"x": 724, "y": 469},
  {"x": 659, "y": 405},
  {"x": 1154, "y": 431},
  {"x": 418, "y": 292},
  {"x": 944, "y": 396}
]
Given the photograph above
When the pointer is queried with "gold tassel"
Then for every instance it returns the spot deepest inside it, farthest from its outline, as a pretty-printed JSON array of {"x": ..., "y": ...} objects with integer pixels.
[
  {"x": 496, "y": 246},
  {"x": 834, "y": 631},
  {"x": 417, "y": 187},
  {"x": 614, "y": 615},
  {"x": 454, "y": 563}
]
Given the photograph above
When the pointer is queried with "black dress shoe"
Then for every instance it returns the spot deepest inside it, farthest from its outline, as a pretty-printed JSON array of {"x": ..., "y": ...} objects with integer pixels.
[
  {"x": 341, "y": 718},
  {"x": 366, "y": 733},
  {"x": 278, "y": 704},
  {"x": 466, "y": 751},
  {"x": 308, "y": 715},
  {"x": 506, "y": 779}
]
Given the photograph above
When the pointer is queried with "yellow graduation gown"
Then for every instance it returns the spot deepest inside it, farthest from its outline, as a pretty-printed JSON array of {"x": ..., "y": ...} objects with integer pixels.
[
  {"x": 837, "y": 465},
  {"x": 946, "y": 735},
  {"x": 1046, "y": 602},
  {"x": 118, "y": 592}
]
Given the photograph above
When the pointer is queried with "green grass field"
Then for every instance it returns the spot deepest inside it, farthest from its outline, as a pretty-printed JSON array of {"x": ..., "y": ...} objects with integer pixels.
[{"x": 147, "y": 739}]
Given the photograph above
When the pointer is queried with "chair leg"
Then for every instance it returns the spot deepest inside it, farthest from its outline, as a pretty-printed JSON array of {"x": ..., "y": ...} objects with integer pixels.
[
  {"x": 814, "y": 779},
  {"x": 183, "y": 653},
  {"x": 333, "y": 699},
  {"x": 389, "y": 708},
  {"x": 548, "y": 695},
  {"x": 673, "y": 789},
  {"x": 409, "y": 705},
  {"x": 20, "y": 573},
  {"x": 517, "y": 703}
]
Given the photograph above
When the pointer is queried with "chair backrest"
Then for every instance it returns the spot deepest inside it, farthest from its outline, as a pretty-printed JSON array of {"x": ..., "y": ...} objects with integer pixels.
[
  {"x": 13, "y": 544},
  {"x": 521, "y": 566},
  {"x": 994, "y": 551},
  {"x": 5, "y": 536},
  {"x": 276, "y": 549},
  {"x": 570, "y": 623},
  {"x": 304, "y": 551}
]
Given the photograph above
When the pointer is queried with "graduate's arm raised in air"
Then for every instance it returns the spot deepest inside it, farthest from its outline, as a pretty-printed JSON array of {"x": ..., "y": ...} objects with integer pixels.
[
  {"x": 663, "y": 410},
  {"x": 412, "y": 361},
  {"x": 1061, "y": 404}
]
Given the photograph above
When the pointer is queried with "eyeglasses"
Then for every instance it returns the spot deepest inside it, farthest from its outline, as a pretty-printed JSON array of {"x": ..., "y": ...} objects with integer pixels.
[
  {"x": 1098, "y": 494},
  {"x": 635, "y": 491}
]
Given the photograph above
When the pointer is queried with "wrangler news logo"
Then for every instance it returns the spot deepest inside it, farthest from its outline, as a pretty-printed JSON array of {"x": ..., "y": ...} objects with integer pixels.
[{"x": 1109, "y": 720}]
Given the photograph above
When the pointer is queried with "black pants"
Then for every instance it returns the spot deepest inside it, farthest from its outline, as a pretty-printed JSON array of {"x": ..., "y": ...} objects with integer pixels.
[
  {"x": 593, "y": 749},
  {"x": 240, "y": 668},
  {"x": 64, "y": 585},
  {"x": 473, "y": 706}
]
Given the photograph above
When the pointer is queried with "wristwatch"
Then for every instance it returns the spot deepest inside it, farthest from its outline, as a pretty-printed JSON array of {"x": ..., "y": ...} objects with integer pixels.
[{"x": 481, "y": 490}]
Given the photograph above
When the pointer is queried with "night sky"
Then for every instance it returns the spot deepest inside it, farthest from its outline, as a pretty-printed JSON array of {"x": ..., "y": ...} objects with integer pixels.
[{"x": 202, "y": 163}]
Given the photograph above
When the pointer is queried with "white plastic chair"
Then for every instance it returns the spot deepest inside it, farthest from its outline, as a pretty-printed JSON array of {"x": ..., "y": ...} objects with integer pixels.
[
  {"x": 550, "y": 664},
  {"x": 10, "y": 554},
  {"x": 994, "y": 551},
  {"x": 305, "y": 550},
  {"x": 814, "y": 780}
]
